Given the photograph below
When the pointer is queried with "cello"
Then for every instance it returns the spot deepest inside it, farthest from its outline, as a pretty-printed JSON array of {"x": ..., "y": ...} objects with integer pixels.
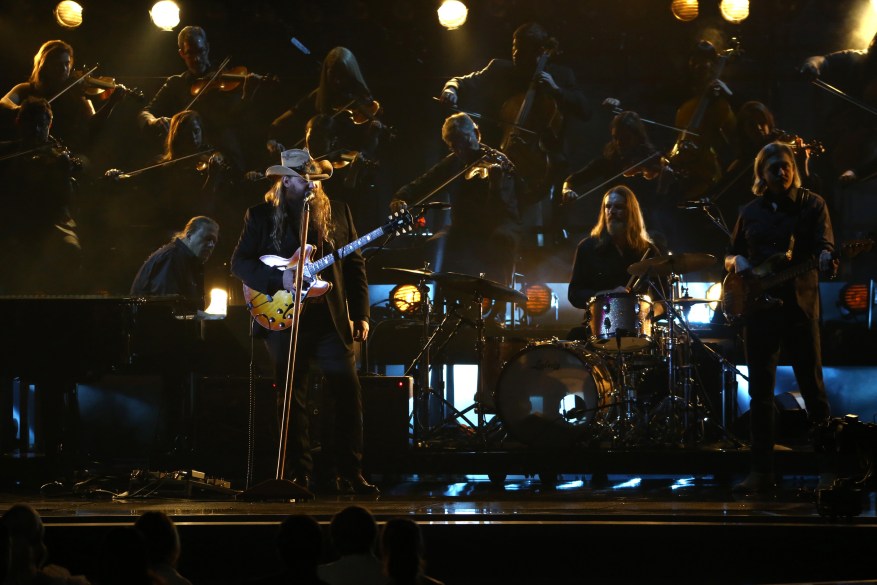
[
  {"x": 532, "y": 131},
  {"x": 695, "y": 160}
]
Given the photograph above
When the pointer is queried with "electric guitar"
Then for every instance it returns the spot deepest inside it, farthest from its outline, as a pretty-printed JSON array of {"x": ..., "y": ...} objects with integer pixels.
[
  {"x": 744, "y": 293},
  {"x": 275, "y": 312}
]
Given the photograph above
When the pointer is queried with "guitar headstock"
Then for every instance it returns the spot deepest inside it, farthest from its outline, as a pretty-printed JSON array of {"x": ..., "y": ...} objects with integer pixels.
[{"x": 401, "y": 221}]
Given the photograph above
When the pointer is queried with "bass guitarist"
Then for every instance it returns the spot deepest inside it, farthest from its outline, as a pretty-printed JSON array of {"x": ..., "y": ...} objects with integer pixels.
[
  {"x": 789, "y": 222},
  {"x": 324, "y": 335}
]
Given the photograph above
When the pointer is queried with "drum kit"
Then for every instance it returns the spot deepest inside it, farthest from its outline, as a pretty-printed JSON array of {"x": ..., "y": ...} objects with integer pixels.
[{"x": 552, "y": 393}]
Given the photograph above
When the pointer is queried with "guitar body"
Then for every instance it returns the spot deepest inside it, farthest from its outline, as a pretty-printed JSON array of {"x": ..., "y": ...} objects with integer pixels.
[
  {"x": 742, "y": 294},
  {"x": 275, "y": 312}
]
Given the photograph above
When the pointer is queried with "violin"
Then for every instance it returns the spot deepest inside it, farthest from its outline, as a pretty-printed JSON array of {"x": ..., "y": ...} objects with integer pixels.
[
  {"x": 227, "y": 80},
  {"x": 362, "y": 112},
  {"x": 102, "y": 87},
  {"x": 799, "y": 145}
]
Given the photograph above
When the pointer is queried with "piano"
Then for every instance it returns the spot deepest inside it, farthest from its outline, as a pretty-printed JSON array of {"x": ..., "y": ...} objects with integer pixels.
[{"x": 77, "y": 338}]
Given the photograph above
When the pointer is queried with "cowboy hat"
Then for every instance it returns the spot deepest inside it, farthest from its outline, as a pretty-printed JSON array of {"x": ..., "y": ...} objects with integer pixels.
[{"x": 299, "y": 162}]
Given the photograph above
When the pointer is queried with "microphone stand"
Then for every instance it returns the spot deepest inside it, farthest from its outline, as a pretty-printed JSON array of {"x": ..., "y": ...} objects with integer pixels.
[{"x": 280, "y": 488}]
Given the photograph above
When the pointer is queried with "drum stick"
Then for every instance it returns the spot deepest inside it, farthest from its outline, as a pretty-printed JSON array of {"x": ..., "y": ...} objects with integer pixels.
[{"x": 632, "y": 277}]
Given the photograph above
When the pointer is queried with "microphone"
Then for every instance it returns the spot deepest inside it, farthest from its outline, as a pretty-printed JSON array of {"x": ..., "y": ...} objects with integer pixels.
[
  {"x": 309, "y": 194},
  {"x": 701, "y": 203}
]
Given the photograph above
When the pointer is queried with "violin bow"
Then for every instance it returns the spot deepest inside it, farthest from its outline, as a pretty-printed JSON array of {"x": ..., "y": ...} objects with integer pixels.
[
  {"x": 838, "y": 93},
  {"x": 617, "y": 111},
  {"x": 613, "y": 178},
  {"x": 213, "y": 77},
  {"x": 164, "y": 163},
  {"x": 73, "y": 83}
]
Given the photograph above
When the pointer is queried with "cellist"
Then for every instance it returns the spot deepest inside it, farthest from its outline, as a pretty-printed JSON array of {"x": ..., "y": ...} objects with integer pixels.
[{"x": 501, "y": 85}]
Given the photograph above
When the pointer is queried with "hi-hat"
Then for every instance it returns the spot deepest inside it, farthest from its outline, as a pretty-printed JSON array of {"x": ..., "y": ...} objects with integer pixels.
[
  {"x": 672, "y": 264},
  {"x": 467, "y": 284},
  {"x": 692, "y": 301},
  {"x": 412, "y": 271}
]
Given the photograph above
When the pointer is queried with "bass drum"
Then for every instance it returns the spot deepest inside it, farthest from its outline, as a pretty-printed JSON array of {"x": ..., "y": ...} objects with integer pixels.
[{"x": 549, "y": 394}]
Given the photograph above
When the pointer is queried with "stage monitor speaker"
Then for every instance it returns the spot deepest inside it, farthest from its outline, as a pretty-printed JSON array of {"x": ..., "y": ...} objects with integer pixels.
[{"x": 386, "y": 437}]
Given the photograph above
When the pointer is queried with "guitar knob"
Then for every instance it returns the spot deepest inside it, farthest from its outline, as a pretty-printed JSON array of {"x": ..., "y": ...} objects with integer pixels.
[
  {"x": 271, "y": 319},
  {"x": 279, "y": 311}
]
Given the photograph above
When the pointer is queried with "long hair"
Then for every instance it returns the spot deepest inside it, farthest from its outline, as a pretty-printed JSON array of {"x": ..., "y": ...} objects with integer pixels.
[
  {"x": 43, "y": 53},
  {"x": 340, "y": 61},
  {"x": 321, "y": 213},
  {"x": 177, "y": 121},
  {"x": 636, "y": 235},
  {"x": 195, "y": 224},
  {"x": 631, "y": 122},
  {"x": 759, "y": 185}
]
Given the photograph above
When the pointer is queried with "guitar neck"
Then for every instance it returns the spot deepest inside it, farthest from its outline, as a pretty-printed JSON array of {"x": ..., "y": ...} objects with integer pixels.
[
  {"x": 789, "y": 273},
  {"x": 343, "y": 251}
]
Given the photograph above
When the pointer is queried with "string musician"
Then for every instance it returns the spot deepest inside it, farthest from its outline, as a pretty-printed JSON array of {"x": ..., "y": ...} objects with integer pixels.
[
  {"x": 222, "y": 98},
  {"x": 74, "y": 120},
  {"x": 540, "y": 106},
  {"x": 484, "y": 231},
  {"x": 39, "y": 238}
]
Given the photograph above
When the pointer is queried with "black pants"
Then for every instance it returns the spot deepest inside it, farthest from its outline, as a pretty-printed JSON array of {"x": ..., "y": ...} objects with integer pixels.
[
  {"x": 789, "y": 329},
  {"x": 320, "y": 344}
]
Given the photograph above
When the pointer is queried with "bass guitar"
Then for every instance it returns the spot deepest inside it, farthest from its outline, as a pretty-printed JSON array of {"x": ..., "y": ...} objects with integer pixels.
[
  {"x": 745, "y": 293},
  {"x": 275, "y": 311}
]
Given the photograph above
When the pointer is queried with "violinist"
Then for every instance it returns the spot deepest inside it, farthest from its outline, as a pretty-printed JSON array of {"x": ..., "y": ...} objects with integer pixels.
[
  {"x": 75, "y": 121},
  {"x": 484, "y": 232},
  {"x": 707, "y": 113},
  {"x": 222, "y": 112},
  {"x": 630, "y": 152},
  {"x": 851, "y": 126},
  {"x": 341, "y": 119},
  {"x": 557, "y": 116},
  {"x": 41, "y": 251}
]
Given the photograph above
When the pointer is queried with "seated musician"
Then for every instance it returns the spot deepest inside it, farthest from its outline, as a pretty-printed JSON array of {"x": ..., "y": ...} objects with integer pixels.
[
  {"x": 177, "y": 267},
  {"x": 618, "y": 240},
  {"x": 484, "y": 233}
]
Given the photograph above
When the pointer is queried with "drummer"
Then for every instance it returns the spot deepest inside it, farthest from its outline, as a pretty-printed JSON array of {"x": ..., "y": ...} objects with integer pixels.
[{"x": 618, "y": 240}]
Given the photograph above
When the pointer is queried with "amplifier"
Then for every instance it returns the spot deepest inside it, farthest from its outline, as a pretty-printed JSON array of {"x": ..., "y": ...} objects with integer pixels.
[{"x": 385, "y": 414}]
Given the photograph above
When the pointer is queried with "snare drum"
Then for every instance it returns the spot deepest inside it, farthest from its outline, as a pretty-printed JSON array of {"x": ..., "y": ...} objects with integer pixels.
[
  {"x": 549, "y": 393},
  {"x": 620, "y": 318}
]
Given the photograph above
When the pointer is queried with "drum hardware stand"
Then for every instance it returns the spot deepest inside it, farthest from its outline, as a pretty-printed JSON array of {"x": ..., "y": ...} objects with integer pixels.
[
  {"x": 624, "y": 405},
  {"x": 686, "y": 367},
  {"x": 423, "y": 360}
]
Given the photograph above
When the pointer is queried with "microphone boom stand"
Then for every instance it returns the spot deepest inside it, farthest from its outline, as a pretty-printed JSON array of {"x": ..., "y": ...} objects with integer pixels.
[{"x": 280, "y": 488}]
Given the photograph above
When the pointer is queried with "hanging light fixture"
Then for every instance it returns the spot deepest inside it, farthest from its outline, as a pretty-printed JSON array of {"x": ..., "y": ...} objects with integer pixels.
[
  {"x": 68, "y": 14},
  {"x": 685, "y": 10},
  {"x": 735, "y": 11},
  {"x": 540, "y": 299},
  {"x": 405, "y": 299},
  {"x": 452, "y": 14},
  {"x": 165, "y": 14}
]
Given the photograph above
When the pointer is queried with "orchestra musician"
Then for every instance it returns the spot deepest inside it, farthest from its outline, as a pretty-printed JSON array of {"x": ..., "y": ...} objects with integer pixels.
[
  {"x": 788, "y": 220},
  {"x": 852, "y": 126},
  {"x": 222, "y": 112},
  {"x": 484, "y": 232},
  {"x": 74, "y": 120},
  {"x": 41, "y": 251},
  {"x": 324, "y": 333},
  {"x": 340, "y": 115},
  {"x": 698, "y": 160},
  {"x": 545, "y": 144}
]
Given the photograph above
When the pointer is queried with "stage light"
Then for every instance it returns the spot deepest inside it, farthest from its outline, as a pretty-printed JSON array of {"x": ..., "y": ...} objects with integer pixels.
[
  {"x": 218, "y": 302},
  {"x": 540, "y": 298},
  {"x": 165, "y": 14},
  {"x": 685, "y": 10},
  {"x": 405, "y": 298},
  {"x": 68, "y": 14},
  {"x": 854, "y": 298},
  {"x": 452, "y": 14},
  {"x": 735, "y": 11}
]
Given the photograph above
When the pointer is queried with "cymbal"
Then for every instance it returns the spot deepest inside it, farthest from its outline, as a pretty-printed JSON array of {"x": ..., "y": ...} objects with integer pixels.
[
  {"x": 672, "y": 264},
  {"x": 465, "y": 283},
  {"x": 412, "y": 271}
]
